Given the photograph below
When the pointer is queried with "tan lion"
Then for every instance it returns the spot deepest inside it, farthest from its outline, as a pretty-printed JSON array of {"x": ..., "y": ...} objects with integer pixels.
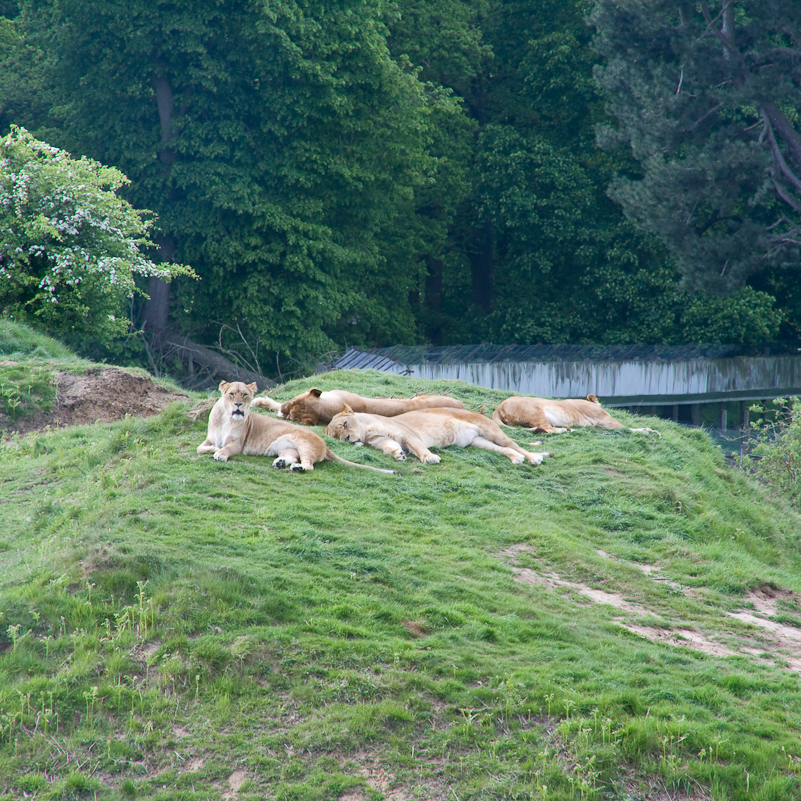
[
  {"x": 420, "y": 430},
  {"x": 233, "y": 430},
  {"x": 316, "y": 407},
  {"x": 557, "y": 416}
]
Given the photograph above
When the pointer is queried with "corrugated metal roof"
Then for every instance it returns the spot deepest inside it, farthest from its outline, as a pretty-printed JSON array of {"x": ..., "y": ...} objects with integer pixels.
[{"x": 394, "y": 359}]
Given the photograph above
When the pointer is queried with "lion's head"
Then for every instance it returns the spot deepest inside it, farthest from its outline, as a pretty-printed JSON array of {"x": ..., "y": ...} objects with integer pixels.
[
  {"x": 345, "y": 426},
  {"x": 303, "y": 409},
  {"x": 236, "y": 398}
]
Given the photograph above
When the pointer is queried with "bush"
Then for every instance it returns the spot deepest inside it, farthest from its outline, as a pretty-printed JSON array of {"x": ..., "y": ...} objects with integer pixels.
[
  {"x": 70, "y": 248},
  {"x": 778, "y": 448}
]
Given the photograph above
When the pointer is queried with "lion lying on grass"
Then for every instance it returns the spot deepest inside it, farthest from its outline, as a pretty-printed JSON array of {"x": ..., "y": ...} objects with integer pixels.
[
  {"x": 233, "y": 430},
  {"x": 316, "y": 407},
  {"x": 420, "y": 430},
  {"x": 557, "y": 416}
]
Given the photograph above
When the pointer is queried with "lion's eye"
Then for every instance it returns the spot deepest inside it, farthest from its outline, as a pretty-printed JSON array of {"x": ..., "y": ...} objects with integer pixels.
[{"x": 344, "y": 425}]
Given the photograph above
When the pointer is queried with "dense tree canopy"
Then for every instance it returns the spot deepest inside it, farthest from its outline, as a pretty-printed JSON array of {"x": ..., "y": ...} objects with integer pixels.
[
  {"x": 369, "y": 172},
  {"x": 278, "y": 143}
]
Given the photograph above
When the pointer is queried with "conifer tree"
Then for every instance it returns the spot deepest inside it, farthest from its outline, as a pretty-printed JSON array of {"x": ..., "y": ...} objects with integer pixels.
[{"x": 706, "y": 95}]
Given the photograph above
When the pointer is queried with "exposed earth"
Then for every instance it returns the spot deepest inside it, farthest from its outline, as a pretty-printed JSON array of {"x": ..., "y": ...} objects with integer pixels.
[{"x": 102, "y": 397}]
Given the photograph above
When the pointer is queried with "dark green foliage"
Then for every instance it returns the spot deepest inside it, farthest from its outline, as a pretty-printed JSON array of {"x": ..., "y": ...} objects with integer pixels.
[
  {"x": 287, "y": 146},
  {"x": 370, "y": 173},
  {"x": 706, "y": 96}
]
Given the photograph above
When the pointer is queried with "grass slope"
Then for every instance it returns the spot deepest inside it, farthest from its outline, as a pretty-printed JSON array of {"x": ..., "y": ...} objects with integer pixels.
[{"x": 174, "y": 628}]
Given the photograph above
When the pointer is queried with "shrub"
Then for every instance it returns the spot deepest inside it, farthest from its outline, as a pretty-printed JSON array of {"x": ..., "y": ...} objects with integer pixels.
[
  {"x": 70, "y": 248},
  {"x": 778, "y": 448}
]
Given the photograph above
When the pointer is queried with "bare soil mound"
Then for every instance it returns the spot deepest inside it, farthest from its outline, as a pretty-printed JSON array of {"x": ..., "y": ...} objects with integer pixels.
[{"x": 99, "y": 397}]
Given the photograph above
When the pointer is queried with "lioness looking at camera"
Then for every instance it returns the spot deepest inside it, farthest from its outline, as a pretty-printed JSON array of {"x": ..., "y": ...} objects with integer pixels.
[
  {"x": 420, "y": 430},
  {"x": 233, "y": 430},
  {"x": 316, "y": 407},
  {"x": 557, "y": 416}
]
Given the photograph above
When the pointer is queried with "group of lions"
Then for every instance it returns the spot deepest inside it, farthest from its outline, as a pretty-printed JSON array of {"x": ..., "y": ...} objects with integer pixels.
[{"x": 395, "y": 426}]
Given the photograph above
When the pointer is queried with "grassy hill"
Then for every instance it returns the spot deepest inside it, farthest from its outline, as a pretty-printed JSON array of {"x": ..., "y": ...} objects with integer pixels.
[{"x": 619, "y": 623}]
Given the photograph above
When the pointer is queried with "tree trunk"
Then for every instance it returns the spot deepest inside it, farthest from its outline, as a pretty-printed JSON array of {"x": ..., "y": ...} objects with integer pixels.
[
  {"x": 157, "y": 313},
  {"x": 727, "y": 27},
  {"x": 434, "y": 301},
  {"x": 482, "y": 268}
]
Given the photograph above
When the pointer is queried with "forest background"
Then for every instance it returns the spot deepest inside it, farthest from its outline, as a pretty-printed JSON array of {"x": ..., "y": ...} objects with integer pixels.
[{"x": 371, "y": 173}]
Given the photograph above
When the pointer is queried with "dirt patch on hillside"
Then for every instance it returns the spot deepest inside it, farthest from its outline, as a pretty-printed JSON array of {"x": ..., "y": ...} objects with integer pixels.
[
  {"x": 99, "y": 397},
  {"x": 759, "y": 637}
]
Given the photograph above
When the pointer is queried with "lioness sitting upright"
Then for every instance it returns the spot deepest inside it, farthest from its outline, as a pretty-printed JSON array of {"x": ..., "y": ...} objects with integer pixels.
[
  {"x": 557, "y": 416},
  {"x": 316, "y": 407},
  {"x": 420, "y": 430},
  {"x": 233, "y": 429}
]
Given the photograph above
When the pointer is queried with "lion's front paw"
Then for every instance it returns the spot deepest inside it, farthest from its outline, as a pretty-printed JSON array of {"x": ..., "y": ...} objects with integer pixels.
[
  {"x": 280, "y": 463},
  {"x": 219, "y": 456},
  {"x": 432, "y": 458},
  {"x": 297, "y": 467},
  {"x": 400, "y": 456}
]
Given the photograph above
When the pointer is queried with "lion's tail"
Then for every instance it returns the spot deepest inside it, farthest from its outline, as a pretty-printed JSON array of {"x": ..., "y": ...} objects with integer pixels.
[{"x": 329, "y": 454}]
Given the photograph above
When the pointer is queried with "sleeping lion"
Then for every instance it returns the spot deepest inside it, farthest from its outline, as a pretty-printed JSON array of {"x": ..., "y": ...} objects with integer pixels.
[
  {"x": 420, "y": 430},
  {"x": 316, "y": 407},
  {"x": 233, "y": 430},
  {"x": 557, "y": 416}
]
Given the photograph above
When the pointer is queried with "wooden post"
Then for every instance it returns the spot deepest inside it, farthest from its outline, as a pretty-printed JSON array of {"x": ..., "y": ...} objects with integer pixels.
[
  {"x": 695, "y": 413},
  {"x": 722, "y": 425},
  {"x": 675, "y": 412},
  {"x": 744, "y": 414}
]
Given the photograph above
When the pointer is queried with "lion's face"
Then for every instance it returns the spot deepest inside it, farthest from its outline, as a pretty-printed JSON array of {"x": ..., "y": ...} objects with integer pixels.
[
  {"x": 236, "y": 398},
  {"x": 344, "y": 426}
]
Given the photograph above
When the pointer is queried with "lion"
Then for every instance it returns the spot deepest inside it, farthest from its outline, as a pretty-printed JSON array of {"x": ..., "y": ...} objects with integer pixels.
[
  {"x": 316, "y": 407},
  {"x": 558, "y": 416},
  {"x": 234, "y": 430},
  {"x": 419, "y": 430}
]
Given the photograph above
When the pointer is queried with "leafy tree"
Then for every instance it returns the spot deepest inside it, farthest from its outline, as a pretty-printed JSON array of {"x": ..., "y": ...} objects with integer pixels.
[
  {"x": 279, "y": 143},
  {"x": 706, "y": 95},
  {"x": 537, "y": 251},
  {"x": 70, "y": 247}
]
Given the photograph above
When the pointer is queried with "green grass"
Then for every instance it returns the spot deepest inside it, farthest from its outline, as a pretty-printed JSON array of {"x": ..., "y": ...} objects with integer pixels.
[
  {"x": 170, "y": 623},
  {"x": 28, "y": 363}
]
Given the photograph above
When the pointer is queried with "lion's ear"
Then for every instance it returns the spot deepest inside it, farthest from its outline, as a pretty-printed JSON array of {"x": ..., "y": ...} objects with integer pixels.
[
  {"x": 347, "y": 409},
  {"x": 316, "y": 392},
  {"x": 592, "y": 399},
  {"x": 223, "y": 386},
  {"x": 253, "y": 387}
]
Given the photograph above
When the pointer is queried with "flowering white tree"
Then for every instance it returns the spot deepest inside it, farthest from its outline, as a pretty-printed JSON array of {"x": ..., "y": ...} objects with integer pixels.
[{"x": 70, "y": 248}]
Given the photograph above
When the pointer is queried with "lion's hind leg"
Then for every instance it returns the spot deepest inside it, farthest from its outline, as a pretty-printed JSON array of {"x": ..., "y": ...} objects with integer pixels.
[
  {"x": 307, "y": 455},
  {"x": 646, "y": 431},
  {"x": 547, "y": 429},
  {"x": 514, "y": 453},
  {"x": 288, "y": 457}
]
